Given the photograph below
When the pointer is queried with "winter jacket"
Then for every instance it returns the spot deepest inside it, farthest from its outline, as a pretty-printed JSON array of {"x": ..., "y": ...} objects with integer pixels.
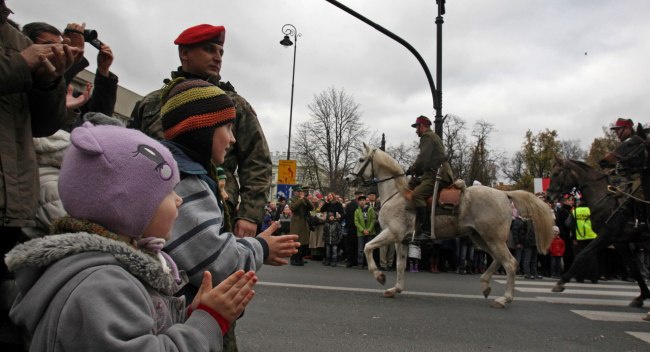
[
  {"x": 197, "y": 242},
  {"x": 300, "y": 211},
  {"x": 557, "y": 247},
  {"x": 367, "y": 223},
  {"x": 332, "y": 232},
  {"x": 84, "y": 292},
  {"x": 49, "y": 154},
  {"x": 26, "y": 111}
]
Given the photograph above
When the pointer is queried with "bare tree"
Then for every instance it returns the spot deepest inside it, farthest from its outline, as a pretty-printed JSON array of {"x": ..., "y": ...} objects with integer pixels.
[
  {"x": 514, "y": 168},
  {"x": 404, "y": 154},
  {"x": 482, "y": 167},
  {"x": 328, "y": 143},
  {"x": 456, "y": 145},
  {"x": 570, "y": 149},
  {"x": 600, "y": 146}
]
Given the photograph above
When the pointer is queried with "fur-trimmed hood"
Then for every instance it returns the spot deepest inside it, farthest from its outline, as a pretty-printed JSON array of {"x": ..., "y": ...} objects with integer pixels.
[
  {"x": 44, "y": 265},
  {"x": 43, "y": 252}
]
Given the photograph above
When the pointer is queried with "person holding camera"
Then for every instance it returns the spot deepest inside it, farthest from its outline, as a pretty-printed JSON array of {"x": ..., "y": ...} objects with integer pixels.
[
  {"x": 104, "y": 94},
  {"x": 300, "y": 206},
  {"x": 32, "y": 104}
]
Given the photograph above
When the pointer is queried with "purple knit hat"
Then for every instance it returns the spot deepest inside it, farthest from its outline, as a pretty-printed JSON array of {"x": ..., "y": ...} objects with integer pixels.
[{"x": 115, "y": 177}]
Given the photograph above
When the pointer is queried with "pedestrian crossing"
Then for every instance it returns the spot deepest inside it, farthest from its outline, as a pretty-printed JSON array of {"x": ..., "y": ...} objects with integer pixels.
[{"x": 608, "y": 294}]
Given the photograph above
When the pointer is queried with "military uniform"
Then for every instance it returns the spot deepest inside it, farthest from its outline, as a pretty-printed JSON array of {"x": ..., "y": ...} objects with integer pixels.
[
  {"x": 249, "y": 156},
  {"x": 431, "y": 158},
  {"x": 630, "y": 159}
]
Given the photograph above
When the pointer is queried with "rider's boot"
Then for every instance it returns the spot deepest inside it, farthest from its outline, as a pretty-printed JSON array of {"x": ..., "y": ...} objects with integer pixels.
[{"x": 423, "y": 223}]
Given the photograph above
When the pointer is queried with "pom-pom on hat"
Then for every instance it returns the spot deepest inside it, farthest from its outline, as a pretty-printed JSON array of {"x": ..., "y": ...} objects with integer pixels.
[
  {"x": 115, "y": 177},
  {"x": 421, "y": 120},
  {"x": 622, "y": 123},
  {"x": 192, "y": 109},
  {"x": 202, "y": 33}
]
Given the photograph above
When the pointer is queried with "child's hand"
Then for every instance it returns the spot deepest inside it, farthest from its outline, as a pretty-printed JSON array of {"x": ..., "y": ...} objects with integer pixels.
[
  {"x": 279, "y": 246},
  {"x": 230, "y": 297}
]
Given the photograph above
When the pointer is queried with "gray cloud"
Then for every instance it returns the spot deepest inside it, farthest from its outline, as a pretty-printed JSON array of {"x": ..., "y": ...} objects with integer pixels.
[{"x": 517, "y": 64}]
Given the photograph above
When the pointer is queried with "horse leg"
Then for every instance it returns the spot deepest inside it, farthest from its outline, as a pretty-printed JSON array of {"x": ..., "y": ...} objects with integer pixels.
[
  {"x": 378, "y": 241},
  {"x": 632, "y": 263},
  {"x": 501, "y": 256},
  {"x": 581, "y": 260},
  {"x": 401, "y": 252}
]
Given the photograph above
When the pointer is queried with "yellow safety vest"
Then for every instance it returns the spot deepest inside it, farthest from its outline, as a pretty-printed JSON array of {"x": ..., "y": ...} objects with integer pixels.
[{"x": 583, "y": 224}]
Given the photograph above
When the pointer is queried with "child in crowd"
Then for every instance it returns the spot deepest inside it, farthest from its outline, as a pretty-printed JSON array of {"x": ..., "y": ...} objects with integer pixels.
[
  {"x": 103, "y": 271},
  {"x": 197, "y": 119},
  {"x": 414, "y": 255},
  {"x": 556, "y": 251},
  {"x": 332, "y": 234},
  {"x": 285, "y": 220}
]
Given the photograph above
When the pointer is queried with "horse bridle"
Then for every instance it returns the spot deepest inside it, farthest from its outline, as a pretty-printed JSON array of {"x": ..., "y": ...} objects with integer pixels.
[{"x": 372, "y": 180}]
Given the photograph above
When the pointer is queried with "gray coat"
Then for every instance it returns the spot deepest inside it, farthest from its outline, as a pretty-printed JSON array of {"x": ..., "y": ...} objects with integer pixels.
[
  {"x": 84, "y": 292},
  {"x": 25, "y": 111}
]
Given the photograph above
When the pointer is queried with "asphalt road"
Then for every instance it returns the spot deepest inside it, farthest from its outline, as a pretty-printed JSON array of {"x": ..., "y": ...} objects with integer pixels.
[{"x": 316, "y": 308}]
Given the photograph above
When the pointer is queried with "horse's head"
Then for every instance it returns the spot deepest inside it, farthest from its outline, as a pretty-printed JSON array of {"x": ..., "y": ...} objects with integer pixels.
[
  {"x": 563, "y": 180},
  {"x": 363, "y": 170}
]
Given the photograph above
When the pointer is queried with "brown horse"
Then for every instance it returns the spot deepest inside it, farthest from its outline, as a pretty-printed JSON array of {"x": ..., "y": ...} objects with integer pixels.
[
  {"x": 611, "y": 213},
  {"x": 484, "y": 214}
]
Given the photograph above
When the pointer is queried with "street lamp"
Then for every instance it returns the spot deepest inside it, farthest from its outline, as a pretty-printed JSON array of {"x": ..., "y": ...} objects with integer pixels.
[{"x": 289, "y": 30}]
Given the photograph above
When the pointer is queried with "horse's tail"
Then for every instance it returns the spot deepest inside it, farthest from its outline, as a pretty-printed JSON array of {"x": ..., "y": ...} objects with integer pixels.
[{"x": 529, "y": 206}]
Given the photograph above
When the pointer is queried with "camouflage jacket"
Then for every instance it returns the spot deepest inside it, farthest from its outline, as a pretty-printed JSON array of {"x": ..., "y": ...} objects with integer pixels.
[
  {"x": 249, "y": 158},
  {"x": 431, "y": 157}
]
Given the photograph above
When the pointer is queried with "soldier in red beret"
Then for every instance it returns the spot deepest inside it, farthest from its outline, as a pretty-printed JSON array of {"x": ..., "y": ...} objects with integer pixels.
[{"x": 200, "y": 50}]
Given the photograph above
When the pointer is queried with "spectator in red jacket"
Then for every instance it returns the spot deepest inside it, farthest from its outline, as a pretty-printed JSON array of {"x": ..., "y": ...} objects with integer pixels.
[{"x": 556, "y": 251}]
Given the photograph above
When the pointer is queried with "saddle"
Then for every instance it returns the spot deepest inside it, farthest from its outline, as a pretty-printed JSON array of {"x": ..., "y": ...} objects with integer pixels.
[{"x": 448, "y": 198}]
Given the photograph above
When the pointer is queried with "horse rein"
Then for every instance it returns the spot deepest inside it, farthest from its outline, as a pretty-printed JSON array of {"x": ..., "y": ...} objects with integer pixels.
[{"x": 370, "y": 162}]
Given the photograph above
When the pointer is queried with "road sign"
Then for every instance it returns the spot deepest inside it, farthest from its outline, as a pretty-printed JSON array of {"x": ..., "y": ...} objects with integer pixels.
[{"x": 287, "y": 172}]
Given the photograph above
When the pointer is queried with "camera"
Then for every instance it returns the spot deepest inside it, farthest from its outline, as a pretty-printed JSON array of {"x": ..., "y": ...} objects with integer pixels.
[{"x": 90, "y": 36}]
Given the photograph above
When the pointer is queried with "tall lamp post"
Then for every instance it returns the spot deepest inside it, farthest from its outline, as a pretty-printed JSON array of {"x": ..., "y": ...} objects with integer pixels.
[{"x": 290, "y": 30}]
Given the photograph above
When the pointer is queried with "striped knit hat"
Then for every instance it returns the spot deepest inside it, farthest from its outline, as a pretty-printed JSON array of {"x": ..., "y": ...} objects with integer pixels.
[{"x": 192, "y": 109}]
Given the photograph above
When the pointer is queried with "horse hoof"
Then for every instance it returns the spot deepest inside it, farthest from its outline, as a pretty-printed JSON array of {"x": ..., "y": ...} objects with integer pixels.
[
  {"x": 636, "y": 303},
  {"x": 559, "y": 287},
  {"x": 381, "y": 278},
  {"x": 486, "y": 292},
  {"x": 389, "y": 294},
  {"x": 496, "y": 304}
]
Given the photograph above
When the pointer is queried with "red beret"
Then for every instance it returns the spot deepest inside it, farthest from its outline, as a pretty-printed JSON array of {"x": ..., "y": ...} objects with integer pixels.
[
  {"x": 202, "y": 33},
  {"x": 620, "y": 123},
  {"x": 422, "y": 120}
]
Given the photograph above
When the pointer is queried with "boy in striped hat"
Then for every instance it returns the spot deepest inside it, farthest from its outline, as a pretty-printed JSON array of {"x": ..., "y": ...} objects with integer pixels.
[{"x": 197, "y": 119}]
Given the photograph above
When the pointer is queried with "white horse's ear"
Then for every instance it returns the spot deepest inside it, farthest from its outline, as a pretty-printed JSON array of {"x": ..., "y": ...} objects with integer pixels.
[{"x": 366, "y": 147}]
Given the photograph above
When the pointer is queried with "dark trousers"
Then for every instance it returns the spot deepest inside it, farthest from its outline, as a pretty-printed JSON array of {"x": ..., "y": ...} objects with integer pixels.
[
  {"x": 590, "y": 269},
  {"x": 10, "y": 334},
  {"x": 351, "y": 245}
]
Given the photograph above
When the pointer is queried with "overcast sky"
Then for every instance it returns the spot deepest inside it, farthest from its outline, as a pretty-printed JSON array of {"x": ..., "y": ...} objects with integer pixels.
[{"x": 572, "y": 66}]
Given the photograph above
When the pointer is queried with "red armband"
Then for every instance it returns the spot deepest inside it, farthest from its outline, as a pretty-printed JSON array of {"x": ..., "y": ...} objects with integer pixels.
[{"x": 223, "y": 323}]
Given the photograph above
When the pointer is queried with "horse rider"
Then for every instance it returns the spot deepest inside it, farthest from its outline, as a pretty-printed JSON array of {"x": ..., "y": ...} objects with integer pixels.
[
  {"x": 431, "y": 161},
  {"x": 629, "y": 161}
]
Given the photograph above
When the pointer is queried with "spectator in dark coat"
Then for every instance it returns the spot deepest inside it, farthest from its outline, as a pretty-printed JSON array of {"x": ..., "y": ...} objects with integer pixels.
[{"x": 351, "y": 236}]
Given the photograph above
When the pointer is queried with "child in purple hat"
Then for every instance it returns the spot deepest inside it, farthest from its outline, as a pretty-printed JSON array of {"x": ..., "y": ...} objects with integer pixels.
[{"x": 103, "y": 272}]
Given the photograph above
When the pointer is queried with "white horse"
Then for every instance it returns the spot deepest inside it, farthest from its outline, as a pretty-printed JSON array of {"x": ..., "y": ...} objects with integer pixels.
[{"x": 484, "y": 214}]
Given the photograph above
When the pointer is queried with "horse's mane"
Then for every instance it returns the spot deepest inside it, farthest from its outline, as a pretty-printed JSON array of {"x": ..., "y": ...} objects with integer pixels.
[
  {"x": 393, "y": 167},
  {"x": 582, "y": 165}
]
